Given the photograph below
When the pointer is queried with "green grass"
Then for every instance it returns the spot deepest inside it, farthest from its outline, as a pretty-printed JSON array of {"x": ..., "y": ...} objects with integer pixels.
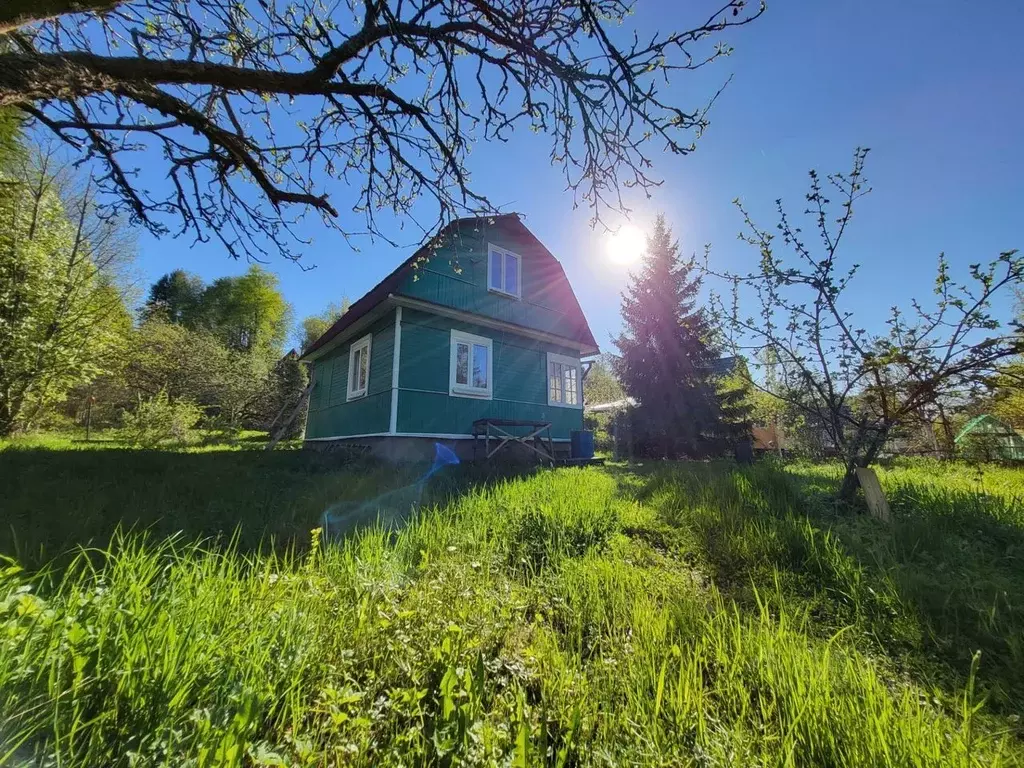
[
  {"x": 112, "y": 439},
  {"x": 662, "y": 614}
]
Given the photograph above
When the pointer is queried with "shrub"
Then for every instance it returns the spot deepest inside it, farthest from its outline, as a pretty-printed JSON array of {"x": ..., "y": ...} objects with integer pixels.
[
  {"x": 601, "y": 425},
  {"x": 161, "y": 421},
  {"x": 220, "y": 429}
]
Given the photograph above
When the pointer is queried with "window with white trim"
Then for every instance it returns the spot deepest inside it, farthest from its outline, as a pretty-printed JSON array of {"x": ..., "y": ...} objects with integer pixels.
[
  {"x": 359, "y": 367},
  {"x": 471, "y": 365},
  {"x": 504, "y": 271},
  {"x": 564, "y": 381}
]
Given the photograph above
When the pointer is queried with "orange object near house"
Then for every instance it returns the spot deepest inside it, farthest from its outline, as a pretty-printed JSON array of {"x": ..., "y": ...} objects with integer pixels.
[{"x": 765, "y": 438}]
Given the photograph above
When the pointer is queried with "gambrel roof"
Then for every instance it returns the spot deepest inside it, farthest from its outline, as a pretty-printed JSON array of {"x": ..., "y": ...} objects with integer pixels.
[{"x": 557, "y": 284}]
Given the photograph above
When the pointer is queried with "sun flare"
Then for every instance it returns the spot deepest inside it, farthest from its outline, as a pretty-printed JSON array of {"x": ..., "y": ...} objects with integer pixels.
[{"x": 626, "y": 245}]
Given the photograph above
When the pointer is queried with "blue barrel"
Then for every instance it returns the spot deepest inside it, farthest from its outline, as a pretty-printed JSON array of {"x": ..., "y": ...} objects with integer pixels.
[{"x": 581, "y": 442}]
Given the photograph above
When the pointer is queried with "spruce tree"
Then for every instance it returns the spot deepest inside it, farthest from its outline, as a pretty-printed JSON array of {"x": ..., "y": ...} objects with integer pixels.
[
  {"x": 177, "y": 297},
  {"x": 668, "y": 359}
]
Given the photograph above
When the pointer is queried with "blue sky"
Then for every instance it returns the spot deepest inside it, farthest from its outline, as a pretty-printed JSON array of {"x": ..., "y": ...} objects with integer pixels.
[{"x": 935, "y": 89}]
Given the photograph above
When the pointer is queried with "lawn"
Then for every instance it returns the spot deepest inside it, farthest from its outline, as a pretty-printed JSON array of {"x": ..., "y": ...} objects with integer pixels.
[{"x": 658, "y": 614}]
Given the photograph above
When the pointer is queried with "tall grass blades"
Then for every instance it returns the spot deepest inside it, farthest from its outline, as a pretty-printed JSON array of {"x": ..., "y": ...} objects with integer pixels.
[{"x": 667, "y": 614}]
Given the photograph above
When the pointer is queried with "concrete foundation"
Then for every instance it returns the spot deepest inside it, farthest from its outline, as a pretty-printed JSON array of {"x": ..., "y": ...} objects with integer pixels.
[{"x": 400, "y": 450}]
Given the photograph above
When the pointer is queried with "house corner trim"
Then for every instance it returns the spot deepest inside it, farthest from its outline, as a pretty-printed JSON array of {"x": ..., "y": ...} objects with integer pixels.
[{"x": 395, "y": 360}]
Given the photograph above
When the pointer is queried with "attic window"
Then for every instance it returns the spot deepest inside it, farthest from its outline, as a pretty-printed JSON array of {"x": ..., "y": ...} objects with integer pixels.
[
  {"x": 504, "y": 271},
  {"x": 359, "y": 367}
]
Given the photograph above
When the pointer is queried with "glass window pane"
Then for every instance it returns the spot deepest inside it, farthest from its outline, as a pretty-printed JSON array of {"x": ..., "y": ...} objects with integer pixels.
[
  {"x": 480, "y": 366},
  {"x": 461, "y": 363},
  {"x": 556, "y": 382},
  {"x": 570, "y": 385},
  {"x": 354, "y": 372},
  {"x": 511, "y": 273},
  {"x": 495, "y": 270},
  {"x": 364, "y": 367}
]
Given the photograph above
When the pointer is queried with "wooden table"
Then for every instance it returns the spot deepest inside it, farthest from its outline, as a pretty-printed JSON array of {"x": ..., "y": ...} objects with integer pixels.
[{"x": 499, "y": 430}]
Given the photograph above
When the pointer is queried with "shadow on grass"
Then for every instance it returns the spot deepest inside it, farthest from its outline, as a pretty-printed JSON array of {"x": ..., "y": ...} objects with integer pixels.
[
  {"x": 944, "y": 580},
  {"x": 55, "y": 501}
]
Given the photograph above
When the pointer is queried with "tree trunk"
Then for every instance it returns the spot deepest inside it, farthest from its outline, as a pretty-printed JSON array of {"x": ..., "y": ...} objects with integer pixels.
[
  {"x": 949, "y": 441},
  {"x": 863, "y": 451},
  {"x": 7, "y": 421},
  {"x": 10, "y": 410},
  {"x": 848, "y": 488}
]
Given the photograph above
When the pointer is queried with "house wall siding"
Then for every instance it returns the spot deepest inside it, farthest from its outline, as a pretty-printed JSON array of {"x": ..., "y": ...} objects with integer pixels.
[
  {"x": 520, "y": 380},
  {"x": 456, "y": 276},
  {"x": 330, "y": 415}
]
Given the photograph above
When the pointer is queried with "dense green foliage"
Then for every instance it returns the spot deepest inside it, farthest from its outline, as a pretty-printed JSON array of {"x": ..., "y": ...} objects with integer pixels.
[
  {"x": 69, "y": 349},
  {"x": 282, "y": 395},
  {"x": 600, "y": 385},
  {"x": 62, "y": 311},
  {"x": 668, "y": 357},
  {"x": 159, "y": 421},
  {"x": 664, "y": 614},
  {"x": 176, "y": 298},
  {"x": 314, "y": 326},
  {"x": 246, "y": 313},
  {"x": 217, "y": 347},
  {"x": 10, "y": 135},
  {"x": 1006, "y": 398}
]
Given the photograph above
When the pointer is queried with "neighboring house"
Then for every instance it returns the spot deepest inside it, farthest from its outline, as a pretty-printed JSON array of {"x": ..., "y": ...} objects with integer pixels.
[{"x": 479, "y": 323}]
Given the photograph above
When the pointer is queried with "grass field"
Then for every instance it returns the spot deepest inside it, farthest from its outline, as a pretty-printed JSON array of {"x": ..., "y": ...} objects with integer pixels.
[{"x": 659, "y": 614}]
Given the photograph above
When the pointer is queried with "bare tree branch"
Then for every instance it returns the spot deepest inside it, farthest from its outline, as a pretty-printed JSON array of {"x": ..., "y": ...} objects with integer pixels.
[{"x": 258, "y": 107}]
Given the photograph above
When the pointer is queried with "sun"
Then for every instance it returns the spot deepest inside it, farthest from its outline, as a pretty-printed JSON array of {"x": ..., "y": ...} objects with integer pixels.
[{"x": 626, "y": 245}]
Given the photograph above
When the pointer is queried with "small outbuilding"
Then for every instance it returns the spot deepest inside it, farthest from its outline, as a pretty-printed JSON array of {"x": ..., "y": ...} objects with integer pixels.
[{"x": 986, "y": 437}]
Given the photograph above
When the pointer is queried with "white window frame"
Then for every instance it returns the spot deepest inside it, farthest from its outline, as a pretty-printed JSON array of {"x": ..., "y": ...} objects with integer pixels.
[
  {"x": 467, "y": 390},
  {"x": 566, "y": 361},
  {"x": 364, "y": 344},
  {"x": 505, "y": 252}
]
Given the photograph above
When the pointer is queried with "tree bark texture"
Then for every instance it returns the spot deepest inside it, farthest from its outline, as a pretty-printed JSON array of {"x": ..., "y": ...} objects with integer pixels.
[{"x": 18, "y": 13}]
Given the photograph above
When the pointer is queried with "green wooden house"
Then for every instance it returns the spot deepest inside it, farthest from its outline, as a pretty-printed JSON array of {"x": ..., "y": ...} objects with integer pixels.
[{"x": 479, "y": 323}]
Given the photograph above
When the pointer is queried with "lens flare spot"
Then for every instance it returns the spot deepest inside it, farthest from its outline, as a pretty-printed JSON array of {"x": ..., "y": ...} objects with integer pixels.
[{"x": 627, "y": 245}]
